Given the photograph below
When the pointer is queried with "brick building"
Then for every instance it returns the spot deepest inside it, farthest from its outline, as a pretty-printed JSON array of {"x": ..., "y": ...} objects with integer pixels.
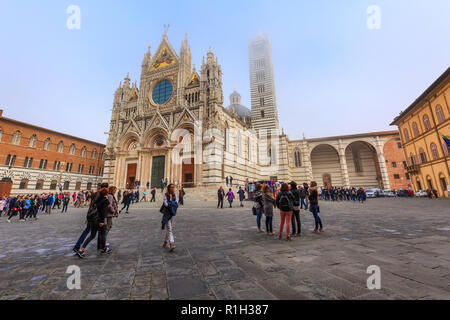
[
  {"x": 396, "y": 164},
  {"x": 39, "y": 160}
]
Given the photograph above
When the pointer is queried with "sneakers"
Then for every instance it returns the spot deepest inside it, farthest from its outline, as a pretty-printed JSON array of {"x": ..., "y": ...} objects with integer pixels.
[
  {"x": 107, "y": 250},
  {"x": 172, "y": 247},
  {"x": 315, "y": 231},
  {"x": 81, "y": 254}
]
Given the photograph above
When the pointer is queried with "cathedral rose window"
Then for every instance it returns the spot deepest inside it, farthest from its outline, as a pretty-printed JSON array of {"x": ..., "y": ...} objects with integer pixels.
[
  {"x": 162, "y": 92},
  {"x": 159, "y": 141}
]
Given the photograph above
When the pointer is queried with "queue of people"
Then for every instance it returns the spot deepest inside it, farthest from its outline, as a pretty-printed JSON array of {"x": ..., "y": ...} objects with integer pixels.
[
  {"x": 27, "y": 207},
  {"x": 289, "y": 198}
]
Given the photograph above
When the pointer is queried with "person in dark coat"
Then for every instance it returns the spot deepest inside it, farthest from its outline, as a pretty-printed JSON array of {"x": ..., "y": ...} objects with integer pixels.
[
  {"x": 220, "y": 196},
  {"x": 241, "y": 194},
  {"x": 99, "y": 224}
]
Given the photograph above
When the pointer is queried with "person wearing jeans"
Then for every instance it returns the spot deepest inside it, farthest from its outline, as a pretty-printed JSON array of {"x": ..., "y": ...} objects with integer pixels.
[
  {"x": 284, "y": 202},
  {"x": 269, "y": 203},
  {"x": 98, "y": 224},
  {"x": 314, "y": 207},
  {"x": 220, "y": 196},
  {"x": 296, "y": 223},
  {"x": 259, "y": 206},
  {"x": 170, "y": 205}
]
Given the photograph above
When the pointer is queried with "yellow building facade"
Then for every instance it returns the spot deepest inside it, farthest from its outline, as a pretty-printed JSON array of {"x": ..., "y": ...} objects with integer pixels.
[{"x": 423, "y": 127}]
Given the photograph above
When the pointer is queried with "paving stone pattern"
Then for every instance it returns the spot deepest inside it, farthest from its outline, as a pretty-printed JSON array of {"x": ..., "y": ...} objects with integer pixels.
[{"x": 220, "y": 255}]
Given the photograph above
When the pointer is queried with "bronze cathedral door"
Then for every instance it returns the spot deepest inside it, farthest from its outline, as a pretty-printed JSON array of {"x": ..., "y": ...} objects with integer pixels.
[{"x": 158, "y": 170}]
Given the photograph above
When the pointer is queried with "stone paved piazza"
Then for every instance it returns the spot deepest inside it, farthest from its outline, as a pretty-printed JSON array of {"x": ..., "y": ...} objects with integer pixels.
[{"x": 220, "y": 255}]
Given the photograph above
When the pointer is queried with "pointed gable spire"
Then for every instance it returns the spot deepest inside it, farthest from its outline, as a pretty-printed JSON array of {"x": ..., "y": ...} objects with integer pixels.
[
  {"x": 147, "y": 57},
  {"x": 127, "y": 81}
]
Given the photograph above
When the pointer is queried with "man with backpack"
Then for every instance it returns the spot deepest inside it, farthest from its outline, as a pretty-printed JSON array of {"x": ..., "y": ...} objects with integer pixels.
[
  {"x": 296, "y": 227},
  {"x": 284, "y": 202},
  {"x": 87, "y": 230},
  {"x": 97, "y": 219}
]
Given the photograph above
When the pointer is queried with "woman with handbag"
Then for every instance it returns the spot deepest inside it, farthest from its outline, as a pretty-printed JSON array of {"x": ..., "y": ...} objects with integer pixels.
[
  {"x": 258, "y": 206},
  {"x": 169, "y": 211}
]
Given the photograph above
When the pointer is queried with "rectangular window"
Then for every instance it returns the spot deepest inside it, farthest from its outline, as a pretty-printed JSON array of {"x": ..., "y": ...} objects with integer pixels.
[
  {"x": 261, "y": 102},
  {"x": 396, "y": 176},
  {"x": 394, "y": 164},
  {"x": 41, "y": 164},
  {"x": 405, "y": 165},
  {"x": 260, "y": 76},
  {"x": 261, "y": 88},
  {"x": 407, "y": 176},
  {"x": 399, "y": 145}
]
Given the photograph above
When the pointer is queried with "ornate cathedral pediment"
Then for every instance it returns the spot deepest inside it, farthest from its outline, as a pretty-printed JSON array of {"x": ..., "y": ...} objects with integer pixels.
[
  {"x": 165, "y": 55},
  {"x": 185, "y": 116},
  {"x": 194, "y": 80},
  {"x": 136, "y": 126},
  {"x": 158, "y": 121}
]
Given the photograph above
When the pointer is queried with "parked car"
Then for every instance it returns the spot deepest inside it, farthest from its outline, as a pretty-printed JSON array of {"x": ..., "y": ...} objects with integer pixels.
[
  {"x": 389, "y": 193},
  {"x": 421, "y": 193},
  {"x": 374, "y": 193}
]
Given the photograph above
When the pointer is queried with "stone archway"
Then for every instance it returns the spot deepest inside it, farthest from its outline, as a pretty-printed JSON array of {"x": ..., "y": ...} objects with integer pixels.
[
  {"x": 362, "y": 165},
  {"x": 325, "y": 162}
]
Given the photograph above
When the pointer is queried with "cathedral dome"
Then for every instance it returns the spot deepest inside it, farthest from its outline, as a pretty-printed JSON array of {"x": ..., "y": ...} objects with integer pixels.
[{"x": 237, "y": 108}]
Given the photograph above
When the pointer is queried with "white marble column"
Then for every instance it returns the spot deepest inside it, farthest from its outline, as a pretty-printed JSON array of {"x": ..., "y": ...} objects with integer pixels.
[
  {"x": 343, "y": 162},
  {"x": 382, "y": 162}
]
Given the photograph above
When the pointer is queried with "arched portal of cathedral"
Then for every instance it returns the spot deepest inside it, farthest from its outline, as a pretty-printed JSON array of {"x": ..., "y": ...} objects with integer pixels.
[{"x": 131, "y": 175}]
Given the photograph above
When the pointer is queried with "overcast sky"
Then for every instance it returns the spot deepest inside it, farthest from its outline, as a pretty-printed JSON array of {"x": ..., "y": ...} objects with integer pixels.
[{"x": 333, "y": 75}]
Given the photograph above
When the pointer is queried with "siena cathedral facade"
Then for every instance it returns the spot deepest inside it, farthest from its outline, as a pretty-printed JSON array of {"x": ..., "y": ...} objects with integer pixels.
[{"x": 174, "y": 125}]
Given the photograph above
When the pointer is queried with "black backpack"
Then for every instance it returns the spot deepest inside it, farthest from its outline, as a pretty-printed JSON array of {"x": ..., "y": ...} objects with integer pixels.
[
  {"x": 285, "y": 203},
  {"x": 296, "y": 194},
  {"x": 92, "y": 214}
]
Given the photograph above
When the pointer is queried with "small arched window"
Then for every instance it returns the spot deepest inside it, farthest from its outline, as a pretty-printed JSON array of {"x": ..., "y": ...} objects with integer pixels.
[
  {"x": 53, "y": 184},
  {"x": 33, "y": 141},
  {"x": 1, "y": 134},
  {"x": 94, "y": 153},
  {"x": 16, "y": 137},
  {"x": 297, "y": 159},
  {"x": 8, "y": 160},
  {"x": 426, "y": 122},
  {"x": 446, "y": 149},
  {"x": 434, "y": 151},
  {"x": 83, "y": 152},
  {"x": 423, "y": 156},
  {"x": 412, "y": 159},
  {"x": 60, "y": 148},
  {"x": 440, "y": 114},
  {"x": 47, "y": 144},
  {"x": 72, "y": 149},
  {"x": 406, "y": 134},
  {"x": 415, "y": 130},
  {"x": 40, "y": 184},
  {"x": 23, "y": 184}
]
